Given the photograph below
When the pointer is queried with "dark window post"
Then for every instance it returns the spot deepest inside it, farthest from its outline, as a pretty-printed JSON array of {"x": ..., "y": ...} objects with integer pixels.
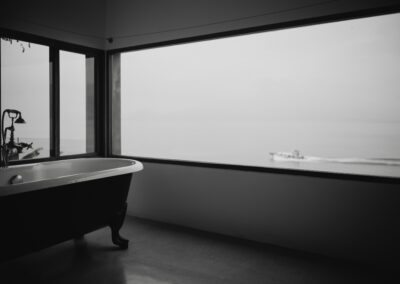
[
  {"x": 90, "y": 105},
  {"x": 116, "y": 104},
  {"x": 54, "y": 103}
]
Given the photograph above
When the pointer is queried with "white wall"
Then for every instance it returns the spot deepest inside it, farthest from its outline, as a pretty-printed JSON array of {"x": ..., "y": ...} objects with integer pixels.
[
  {"x": 145, "y": 21},
  {"x": 341, "y": 218},
  {"x": 74, "y": 21}
]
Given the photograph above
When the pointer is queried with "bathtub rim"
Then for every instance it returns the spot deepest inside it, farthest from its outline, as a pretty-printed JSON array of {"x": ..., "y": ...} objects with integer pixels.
[{"x": 11, "y": 189}]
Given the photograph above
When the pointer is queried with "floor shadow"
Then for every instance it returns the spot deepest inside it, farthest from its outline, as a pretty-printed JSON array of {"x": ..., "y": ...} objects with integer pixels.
[{"x": 78, "y": 262}]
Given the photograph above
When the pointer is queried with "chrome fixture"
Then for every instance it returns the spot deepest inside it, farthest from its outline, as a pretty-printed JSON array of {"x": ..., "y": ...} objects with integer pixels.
[
  {"x": 11, "y": 149},
  {"x": 16, "y": 179}
]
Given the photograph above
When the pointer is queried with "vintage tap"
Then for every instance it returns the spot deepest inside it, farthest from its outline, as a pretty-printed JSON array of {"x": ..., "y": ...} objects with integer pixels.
[{"x": 11, "y": 149}]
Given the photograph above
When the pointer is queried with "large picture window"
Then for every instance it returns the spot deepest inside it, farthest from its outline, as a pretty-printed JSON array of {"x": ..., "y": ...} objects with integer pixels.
[{"x": 329, "y": 91}]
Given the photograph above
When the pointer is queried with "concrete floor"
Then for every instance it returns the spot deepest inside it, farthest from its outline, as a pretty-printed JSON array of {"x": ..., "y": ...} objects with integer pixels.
[{"x": 160, "y": 253}]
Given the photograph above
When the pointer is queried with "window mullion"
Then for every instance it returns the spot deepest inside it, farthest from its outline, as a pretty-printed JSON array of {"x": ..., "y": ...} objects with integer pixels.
[{"x": 54, "y": 102}]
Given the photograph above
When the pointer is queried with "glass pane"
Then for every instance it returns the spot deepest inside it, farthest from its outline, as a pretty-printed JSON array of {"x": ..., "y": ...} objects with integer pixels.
[
  {"x": 330, "y": 91},
  {"x": 76, "y": 103},
  {"x": 25, "y": 87}
]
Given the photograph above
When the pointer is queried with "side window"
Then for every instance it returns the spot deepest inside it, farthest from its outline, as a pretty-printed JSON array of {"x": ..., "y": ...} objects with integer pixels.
[
  {"x": 25, "y": 98},
  {"x": 47, "y": 100}
]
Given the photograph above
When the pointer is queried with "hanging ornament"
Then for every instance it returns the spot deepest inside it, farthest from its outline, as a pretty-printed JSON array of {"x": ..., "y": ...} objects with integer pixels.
[{"x": 10, "y": 40}]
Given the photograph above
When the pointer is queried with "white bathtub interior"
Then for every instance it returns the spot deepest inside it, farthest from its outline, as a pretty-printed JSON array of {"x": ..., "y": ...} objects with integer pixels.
[{"x": 47, "y": 174}]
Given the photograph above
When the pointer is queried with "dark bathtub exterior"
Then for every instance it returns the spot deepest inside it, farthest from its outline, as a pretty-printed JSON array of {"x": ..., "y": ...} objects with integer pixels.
[{"x": 34, "y": 220}]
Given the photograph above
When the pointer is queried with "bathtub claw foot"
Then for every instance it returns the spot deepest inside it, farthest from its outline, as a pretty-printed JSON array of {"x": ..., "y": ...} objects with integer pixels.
[
  {"x": 116, "y": 225},
  {"x": 119, "y": 241}
]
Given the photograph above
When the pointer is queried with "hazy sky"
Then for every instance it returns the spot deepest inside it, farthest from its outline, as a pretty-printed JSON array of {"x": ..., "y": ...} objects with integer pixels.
[
  {"x": 349, "y": 67},
  {"x": 25, "y": 86},
  {"x": 73, "y": 96},
  {"x": 330, "y": 89}
]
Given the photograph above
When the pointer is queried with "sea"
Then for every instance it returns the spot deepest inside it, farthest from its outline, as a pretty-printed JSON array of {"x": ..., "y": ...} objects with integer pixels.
[
  {"x": 251, "y": 144},
  {"x": 67, "y": 147}
]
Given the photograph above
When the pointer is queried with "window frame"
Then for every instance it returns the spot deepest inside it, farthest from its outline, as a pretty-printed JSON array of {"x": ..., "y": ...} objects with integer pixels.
[
  {"x": 55, "y": 47},
  {"x": 264, "y": 28}
]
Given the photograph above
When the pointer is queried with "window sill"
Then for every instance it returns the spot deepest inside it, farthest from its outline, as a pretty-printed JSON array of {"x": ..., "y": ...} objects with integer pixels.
[{"x": 290, "y": 169}]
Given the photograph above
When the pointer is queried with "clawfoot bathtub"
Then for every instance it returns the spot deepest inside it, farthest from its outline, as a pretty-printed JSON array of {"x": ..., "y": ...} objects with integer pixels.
[{"x": 47, "y": 203}]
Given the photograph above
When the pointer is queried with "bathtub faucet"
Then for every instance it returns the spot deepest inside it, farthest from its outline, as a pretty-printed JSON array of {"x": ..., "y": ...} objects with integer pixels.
[{"x": 11, "y": 149}]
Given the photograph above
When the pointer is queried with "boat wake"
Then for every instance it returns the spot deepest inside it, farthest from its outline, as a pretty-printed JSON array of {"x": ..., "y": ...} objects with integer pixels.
[{"x": 296, "y": 156}]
